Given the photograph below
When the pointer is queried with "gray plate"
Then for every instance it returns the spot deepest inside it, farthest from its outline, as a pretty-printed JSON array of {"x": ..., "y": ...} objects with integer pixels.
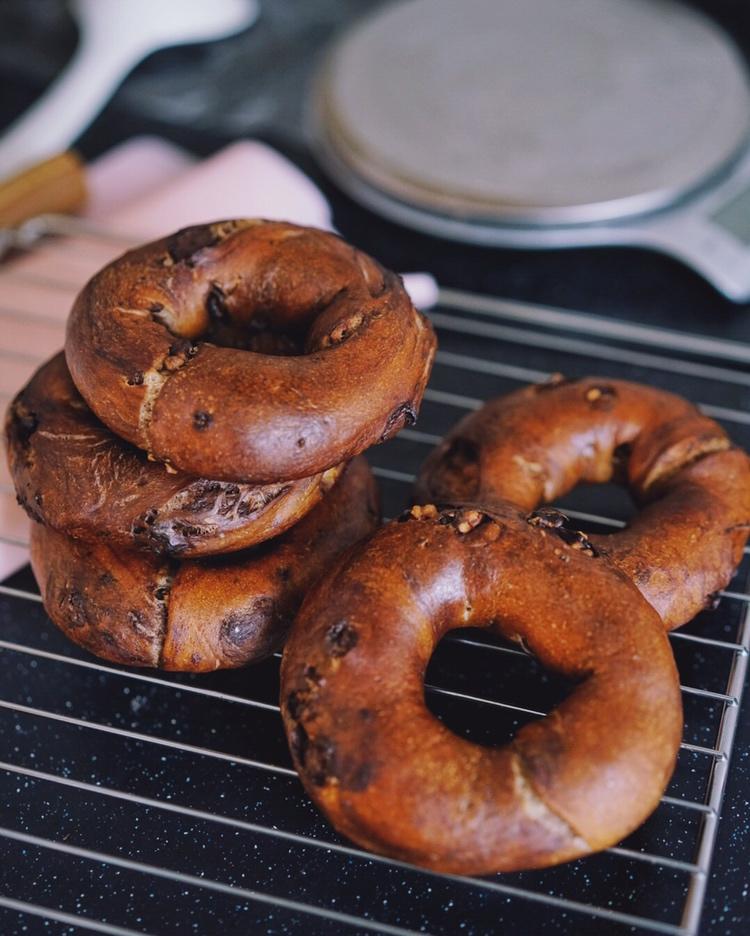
[{"x": 538, "y": 112}]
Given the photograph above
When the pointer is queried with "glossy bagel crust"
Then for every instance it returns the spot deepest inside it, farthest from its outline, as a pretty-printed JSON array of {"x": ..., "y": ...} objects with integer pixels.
[
  {"x": 147, "y": 348},
  {"x": 532, "y": 446},
  {"x": 71, "y": 473},
  {"x": 393, "y": 778},
  {"x": 202, "y": 614}
]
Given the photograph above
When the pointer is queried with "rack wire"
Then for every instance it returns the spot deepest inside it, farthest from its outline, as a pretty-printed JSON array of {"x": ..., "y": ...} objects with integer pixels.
[{"x": 173, "y": 795}]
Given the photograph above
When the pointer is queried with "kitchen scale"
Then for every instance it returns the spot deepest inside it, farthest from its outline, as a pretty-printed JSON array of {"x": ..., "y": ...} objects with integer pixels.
[{"x": 547, "y": 123}]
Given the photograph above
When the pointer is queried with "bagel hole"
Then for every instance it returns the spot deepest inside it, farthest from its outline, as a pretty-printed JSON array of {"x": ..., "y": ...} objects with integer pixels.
[
  {"x": 247, "y": 318},
  {"x": 474, "y": 663},
  {"x": 609, "y": 500},
  {"x": 257, "y": 335},
  {"x": 238, "y": 319},
  {"x": 282, "y": 318}
]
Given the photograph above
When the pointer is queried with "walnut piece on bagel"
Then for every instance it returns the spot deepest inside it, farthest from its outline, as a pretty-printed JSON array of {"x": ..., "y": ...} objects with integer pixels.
[
  {"x": 73, "y": 474},
  {"x": 161, "y": 344},
  {"x": 198, "y": 615},
  {"x": 389, "y": 775},
  {"x": 692, "y": 486}
]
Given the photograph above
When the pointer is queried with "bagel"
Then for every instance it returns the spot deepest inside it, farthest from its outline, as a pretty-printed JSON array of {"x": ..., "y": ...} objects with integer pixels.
[
  {"x": 534, "y": 445},
  {"x": 202, "y": 614},
  {"x": 71, "y": 473},
  {"x": 389, "y": 775},
  {"x": 155, "y": 346}
]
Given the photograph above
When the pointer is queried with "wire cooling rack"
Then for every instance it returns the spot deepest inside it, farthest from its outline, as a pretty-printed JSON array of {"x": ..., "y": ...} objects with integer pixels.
[{"x": 136, "y": 802}]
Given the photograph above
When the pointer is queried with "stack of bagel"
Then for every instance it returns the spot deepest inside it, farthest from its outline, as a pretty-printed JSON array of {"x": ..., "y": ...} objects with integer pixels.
[
  {"x": 193, "y": 462},
  {"x": 193, "y": 459}
]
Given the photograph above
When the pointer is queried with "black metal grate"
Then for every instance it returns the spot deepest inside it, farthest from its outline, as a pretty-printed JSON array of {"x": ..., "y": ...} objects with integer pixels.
[{"x": 132, "y": 802}]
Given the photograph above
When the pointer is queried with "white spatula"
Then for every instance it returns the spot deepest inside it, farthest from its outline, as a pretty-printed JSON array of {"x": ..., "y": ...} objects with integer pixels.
[{"x": 114, "y": 37}]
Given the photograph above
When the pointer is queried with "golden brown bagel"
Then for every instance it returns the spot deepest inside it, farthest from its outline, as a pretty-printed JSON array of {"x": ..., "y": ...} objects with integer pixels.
[
  {"x": 394, "y": 779},
  {"x": 73, "y": 474},
  {"x": 532, "y": 446},
  {"x": 201, "y": 614},
  {"x": 144, "y": 349}
]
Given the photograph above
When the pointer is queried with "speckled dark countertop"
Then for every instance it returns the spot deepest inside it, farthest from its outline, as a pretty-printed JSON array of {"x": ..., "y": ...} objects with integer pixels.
[{"x": 255, "y": 88}]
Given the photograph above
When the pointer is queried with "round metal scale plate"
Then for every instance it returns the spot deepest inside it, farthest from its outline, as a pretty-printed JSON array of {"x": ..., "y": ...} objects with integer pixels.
[{"x": 530, "y": 112}]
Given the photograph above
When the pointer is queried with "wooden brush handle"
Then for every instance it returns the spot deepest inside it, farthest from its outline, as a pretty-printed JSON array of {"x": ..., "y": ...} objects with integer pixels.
[{"x": 54, "y": 185}]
